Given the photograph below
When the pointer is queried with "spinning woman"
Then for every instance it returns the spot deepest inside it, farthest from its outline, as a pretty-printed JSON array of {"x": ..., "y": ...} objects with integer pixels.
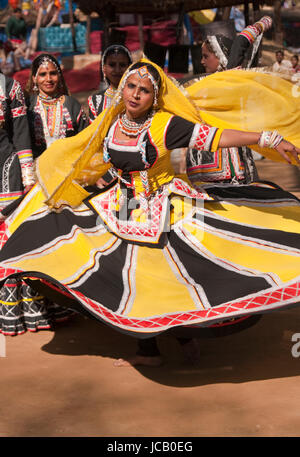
[{"x": 150, "y": 253}]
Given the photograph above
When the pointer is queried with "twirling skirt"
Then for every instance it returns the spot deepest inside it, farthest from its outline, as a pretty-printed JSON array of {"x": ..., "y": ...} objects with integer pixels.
[{"x": 235, "y": 256}]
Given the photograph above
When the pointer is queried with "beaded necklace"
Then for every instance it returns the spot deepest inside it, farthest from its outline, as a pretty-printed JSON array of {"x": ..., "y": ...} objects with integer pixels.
[
  {"x": 51, "y": 114},
  {"x": 108, "y": 97},
  {"x": 110, "y": 92},
  {"x": 134, "y": 127}
]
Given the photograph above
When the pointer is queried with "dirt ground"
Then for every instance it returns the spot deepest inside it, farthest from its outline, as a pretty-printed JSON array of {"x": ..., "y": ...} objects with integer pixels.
[{"x": 62, "y": 383}]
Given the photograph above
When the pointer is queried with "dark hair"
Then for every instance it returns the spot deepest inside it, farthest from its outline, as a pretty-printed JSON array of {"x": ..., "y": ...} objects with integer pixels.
[
  {"x": 17, "y": 10},
  {"x": 151, "y": 70},
  {"x": 37, "y": 62},
  {"x": 296, "y": 57},
  {"x": 8, "y": 47},
  {"x": 113, "y": 50},
  {"x": 279, "y": 51},
  {"x": 116, "y": 49},
  {"x": 225, "y": 44}
]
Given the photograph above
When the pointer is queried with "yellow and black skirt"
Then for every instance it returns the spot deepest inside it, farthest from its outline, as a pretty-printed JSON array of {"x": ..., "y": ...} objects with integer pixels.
[{"x": 228, "y": 257}]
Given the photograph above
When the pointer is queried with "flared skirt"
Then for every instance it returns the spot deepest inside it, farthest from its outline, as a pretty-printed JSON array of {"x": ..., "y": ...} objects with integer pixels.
[{"x": 235, "y": 256}]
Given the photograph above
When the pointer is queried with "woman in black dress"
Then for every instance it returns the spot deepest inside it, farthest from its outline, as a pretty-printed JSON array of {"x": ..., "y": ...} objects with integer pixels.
[{"x": 115, "y": 60}]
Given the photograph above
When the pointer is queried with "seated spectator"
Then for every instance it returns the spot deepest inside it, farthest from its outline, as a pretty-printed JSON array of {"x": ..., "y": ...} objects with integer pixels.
[
  {"x": 281, "y": 64},
  {"x": 6, "y": 58},
  {"x": 295, "y": 63},
  {"x": 13, "y": 59},
  {"x": 16, "y": 27}
]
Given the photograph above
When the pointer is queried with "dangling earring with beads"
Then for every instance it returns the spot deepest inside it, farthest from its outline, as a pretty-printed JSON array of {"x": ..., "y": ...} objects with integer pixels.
[{"x": 35, "y": 87}]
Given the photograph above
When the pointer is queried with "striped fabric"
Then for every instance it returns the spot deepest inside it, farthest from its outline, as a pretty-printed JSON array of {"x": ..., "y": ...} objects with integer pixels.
[{"x": 219, "y": 259}]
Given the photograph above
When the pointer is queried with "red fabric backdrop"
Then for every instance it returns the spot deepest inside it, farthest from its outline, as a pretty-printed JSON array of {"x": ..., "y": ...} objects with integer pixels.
[{"x": 162, "y": 33}]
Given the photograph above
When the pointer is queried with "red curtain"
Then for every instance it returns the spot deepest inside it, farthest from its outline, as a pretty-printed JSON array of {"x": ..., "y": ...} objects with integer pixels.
[{"x": 14, "y": 3}]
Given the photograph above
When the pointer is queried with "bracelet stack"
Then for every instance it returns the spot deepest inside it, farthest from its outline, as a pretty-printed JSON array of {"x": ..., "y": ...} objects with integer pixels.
[
  {"x": 264, "y": 23},
  {"x": 269, "y": 139},
  {"x": 253, "y": 31},
  {"x": 28, "y": 176}
]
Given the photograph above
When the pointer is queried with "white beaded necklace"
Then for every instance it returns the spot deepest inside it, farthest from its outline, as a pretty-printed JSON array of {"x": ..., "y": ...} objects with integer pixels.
[
  {"x": 134, "y": 127},
  {"x": 50, "y": 138}
]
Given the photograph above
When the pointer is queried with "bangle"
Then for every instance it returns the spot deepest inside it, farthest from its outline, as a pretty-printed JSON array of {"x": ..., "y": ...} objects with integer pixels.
[
  {"x": 263, "y": 24},
  {"x": 28, "y": 176},
  {"x": 269, "y": 139}
]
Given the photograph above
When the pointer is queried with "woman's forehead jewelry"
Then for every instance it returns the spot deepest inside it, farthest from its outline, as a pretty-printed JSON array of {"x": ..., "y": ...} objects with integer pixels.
[
  {"x": 143, "y": 72},
  {"x": 45, "y": 62}
]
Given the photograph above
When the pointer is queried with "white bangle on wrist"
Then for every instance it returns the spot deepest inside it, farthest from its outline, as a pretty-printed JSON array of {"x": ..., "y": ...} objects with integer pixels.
[{"x": 269, "y": 139}]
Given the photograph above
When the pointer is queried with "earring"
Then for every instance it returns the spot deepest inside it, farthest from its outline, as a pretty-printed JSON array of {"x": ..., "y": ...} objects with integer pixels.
[
  {"x": 155, "y": 102},
  {"x": 35, "y": 88}
]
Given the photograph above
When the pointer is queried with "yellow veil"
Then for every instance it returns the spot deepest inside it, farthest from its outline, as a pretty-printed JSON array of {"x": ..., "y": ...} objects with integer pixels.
[{"x": 244, "y": 100}]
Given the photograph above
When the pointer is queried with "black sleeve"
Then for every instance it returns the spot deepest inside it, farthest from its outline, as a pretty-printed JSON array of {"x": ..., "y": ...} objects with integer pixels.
[
  {"x": 20, "y": 131},
  {"x": 18, "y": 110},
  {"x": 179, "y": 133},
  {"x": 238, "y": 52}
]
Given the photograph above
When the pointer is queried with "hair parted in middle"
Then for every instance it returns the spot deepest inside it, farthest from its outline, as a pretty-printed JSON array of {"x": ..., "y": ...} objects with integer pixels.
[{"x": 39, "y": 61}]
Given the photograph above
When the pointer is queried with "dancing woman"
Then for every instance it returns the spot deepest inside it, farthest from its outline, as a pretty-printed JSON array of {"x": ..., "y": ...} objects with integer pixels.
[
  {"x": 149, "y": 253},
  {"x": 115, "y": 61}
]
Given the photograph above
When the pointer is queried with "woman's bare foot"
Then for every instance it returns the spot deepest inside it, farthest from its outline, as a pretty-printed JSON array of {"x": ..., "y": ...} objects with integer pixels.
[
  {"x": 139, "y": 360},
  {"x": 191, "y": 352}
]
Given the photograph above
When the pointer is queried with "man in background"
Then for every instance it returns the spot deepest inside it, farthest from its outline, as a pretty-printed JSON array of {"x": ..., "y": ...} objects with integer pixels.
[
  {"x": 281, "y": 63},
  {"x": 16, "y": 27}
]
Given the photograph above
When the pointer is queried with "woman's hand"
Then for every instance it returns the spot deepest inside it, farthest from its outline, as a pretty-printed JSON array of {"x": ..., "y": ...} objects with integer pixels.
[
  {"x": 27, "y": 188},
  {"x": 288, "y": 150},
  {"x": 101, "y": 183}
]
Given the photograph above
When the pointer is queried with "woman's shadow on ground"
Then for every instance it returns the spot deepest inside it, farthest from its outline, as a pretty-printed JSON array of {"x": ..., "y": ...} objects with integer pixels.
[{"x": 267, "y": 350}]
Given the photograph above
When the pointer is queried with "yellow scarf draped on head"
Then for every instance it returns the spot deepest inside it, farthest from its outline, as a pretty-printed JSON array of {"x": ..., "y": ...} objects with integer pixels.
[{"x": 243, "y": 100}]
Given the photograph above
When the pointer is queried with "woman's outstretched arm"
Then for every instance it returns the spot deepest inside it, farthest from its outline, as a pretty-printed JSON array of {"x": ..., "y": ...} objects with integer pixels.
[{"x": 236, "y": 138}]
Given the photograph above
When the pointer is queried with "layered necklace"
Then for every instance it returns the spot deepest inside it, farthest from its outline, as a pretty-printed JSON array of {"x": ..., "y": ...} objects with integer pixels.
[
  {"x": 110, "y": 92},
  {"x": 134, "y": 127},
  {"x": 108, "y": 97},
  {"x": 50, "y": 109}
]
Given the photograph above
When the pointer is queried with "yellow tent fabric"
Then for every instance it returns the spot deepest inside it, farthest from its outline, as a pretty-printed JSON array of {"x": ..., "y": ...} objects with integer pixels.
[
  {"x": 245, "y": 100},
  {"x": 203, "y": 16}
]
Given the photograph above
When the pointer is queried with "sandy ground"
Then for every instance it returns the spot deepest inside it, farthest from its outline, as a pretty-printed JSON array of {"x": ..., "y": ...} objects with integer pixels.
[{"x": 63, "y": 383}]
